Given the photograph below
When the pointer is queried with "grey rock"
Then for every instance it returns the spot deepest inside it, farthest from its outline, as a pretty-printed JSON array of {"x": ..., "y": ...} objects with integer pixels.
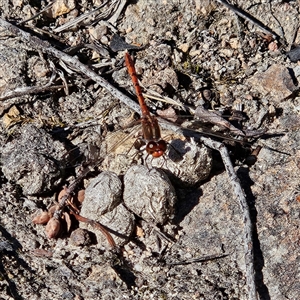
[
  {"x": 149, "y": 194},
  {"x": 34, "y": 161}
]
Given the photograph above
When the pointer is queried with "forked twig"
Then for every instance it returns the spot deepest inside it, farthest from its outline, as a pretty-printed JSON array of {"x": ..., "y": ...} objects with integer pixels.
[
  {"x": 64, "y": 202},
  {"x": 248, "y": 244}
]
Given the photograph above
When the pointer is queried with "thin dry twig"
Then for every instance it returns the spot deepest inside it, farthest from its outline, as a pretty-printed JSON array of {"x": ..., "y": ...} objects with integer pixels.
[
  {"x": 92, "y": 16},
  {"x": 98, "y": 226},
  {"x": 113, "y": 19},
  {"x": 165, "y": 99},
  {"x": 248, "y": 228},
  {"x": 37, "y": 14},
  {"x": 197, "y": 260},
  {"x": 45, "y": 47},
  {"x": 250, "y": 18},
  {"x": 248, "y": 244},
  {"x": 26, "y": 90},
  {"x": 21, "y": 91},
  {"x": 79, "y": 19}
]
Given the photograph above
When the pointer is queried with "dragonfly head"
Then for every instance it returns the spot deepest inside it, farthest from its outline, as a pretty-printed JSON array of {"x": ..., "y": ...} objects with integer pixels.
[{"x": 156, "y": 149}]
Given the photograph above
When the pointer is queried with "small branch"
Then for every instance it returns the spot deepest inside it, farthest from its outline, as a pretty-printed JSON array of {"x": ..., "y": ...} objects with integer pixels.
[
  {"x": 74, "y": 22},
  {"x": 91, "y": 16},
  {"x": 45, "y": 47},
  {"x": 251, "y": 19},
  {"x": 248, "y": 228},
  {"x": 39, "y": 13},
  {"x": 113, "y": 19},
  {"x": 97, "y": 226},
  {"x": 22, "y": 91},
  {"x": 248, "y": 234},
  {"x": 197, "y": 260}
]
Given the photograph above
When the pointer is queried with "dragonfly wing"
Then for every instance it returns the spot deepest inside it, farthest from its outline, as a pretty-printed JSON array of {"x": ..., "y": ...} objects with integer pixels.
[{"x": 214, "y": 118}]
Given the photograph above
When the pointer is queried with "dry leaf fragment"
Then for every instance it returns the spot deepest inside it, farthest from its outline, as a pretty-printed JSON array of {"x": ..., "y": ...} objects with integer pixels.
[
  {"x": 139, "y": 231},
  {"x": 52, "y": 228},
  {"x": 62, "y": 193},
  {"x": 168, "y": 114},
  {"x": 80, "y": 195},
  {"x": 42, "y": 218},
  {"x": 68, "y": 221},
  {"x": 41, "y": 253},
  {"x": 11, "y": 117},
  {"x": 52, "y": 210}
]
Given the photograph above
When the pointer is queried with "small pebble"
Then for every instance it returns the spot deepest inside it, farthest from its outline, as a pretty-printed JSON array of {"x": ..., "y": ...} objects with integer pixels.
[{"x": 80, "y": 237}]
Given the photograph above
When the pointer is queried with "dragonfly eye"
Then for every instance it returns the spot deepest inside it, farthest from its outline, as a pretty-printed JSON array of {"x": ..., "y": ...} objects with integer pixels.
[
  {"x": 156, "y": 149},
  {"x": 162, "y": 145}
]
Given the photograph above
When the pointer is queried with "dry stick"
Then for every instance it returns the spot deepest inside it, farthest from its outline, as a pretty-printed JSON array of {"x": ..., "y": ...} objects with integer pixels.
[
  {"x": 249, "y": 18},
  {"x": 39, "y": 13},
  {"x": 79, "y": 19},
  {"x": 97, "y": 226},
  {"x": 248, "y": 228},
  {"x": 248, "y": 244},
  {"x": 196, "y": 260},
  {"x": 113, "y": 19},
  {"x": 45, "y": 47},
  {"x": 89, "y": 15},
  {"x": 22, "y": 91},
  {"x": 64, "y": 202}
]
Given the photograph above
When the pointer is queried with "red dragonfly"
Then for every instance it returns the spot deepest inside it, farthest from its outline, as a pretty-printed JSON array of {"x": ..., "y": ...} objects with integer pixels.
[{"x": 155, "y": 146}]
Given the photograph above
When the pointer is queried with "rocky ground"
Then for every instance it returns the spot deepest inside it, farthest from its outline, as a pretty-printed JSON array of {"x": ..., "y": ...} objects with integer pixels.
[{"x": 188, "y": 53}]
